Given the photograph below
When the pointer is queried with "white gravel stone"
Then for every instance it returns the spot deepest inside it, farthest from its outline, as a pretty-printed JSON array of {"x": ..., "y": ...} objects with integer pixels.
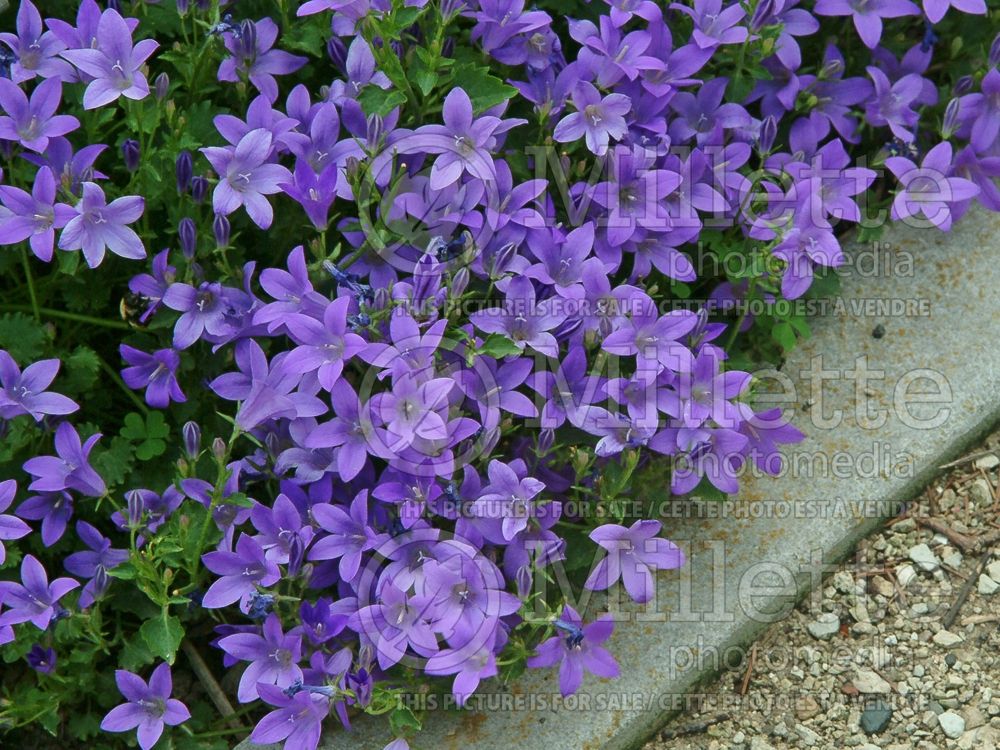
[
  {"x": 987, "y": 586},
  {"x": 905, "y": 575},
  {"x": 947, "y": 639},
  {"x": 993, "y": 570},
  {"x": 868, "y": 681},
  {"x": 924, "y": 558},
  {"x": 952, "y": 724},
  {"x": 987, "y": 462},
  {"x": 824, "y": 627}
]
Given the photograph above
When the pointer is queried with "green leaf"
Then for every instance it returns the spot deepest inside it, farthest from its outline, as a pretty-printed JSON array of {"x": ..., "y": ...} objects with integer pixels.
[
  {"x": 22, "y": 336},
  {"x": 150, "y": 434},
  {"x": 115, "y": 462},
  {"x": 376, "y": 101},
  {"x": 163, "y": 636},
  {"x": 402, "y": 719},
  {"x": 135, "y": 654},
  {"x": 81, "y": 369},
  {"x": 484, "y": 89},
  {"x": 497, "y": 345},
  {"x": 784, "y": 334}
]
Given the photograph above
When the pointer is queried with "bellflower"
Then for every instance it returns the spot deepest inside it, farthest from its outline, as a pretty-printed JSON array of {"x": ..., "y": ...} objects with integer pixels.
[
  {"x": 524, "y": 320},
  {"x": 71, "y": 469},
  {"x": 936, "y": 9},
  {"x": 116, "y": 66},
  {"x": 34, "y": 48},
  {"x": 11, "y": 527},
  {"x": 246, "y": 177},
  {"x": 273, "y": 657},
  {"x": 927, "y": 191},
  {"x": 24, "y": 392},
  {"x": 632, "y": 553},
  {"x": 241, "y": 572},
  {"x": 53, "y": 509},
  {"x": 323, "y": 347},
  {"x": 148, "y": 708},
  {"x": 32, "y": 122},
  {"x": 99, "y": 226},
  {"x": 597, "y": 119},
  {"x": 982, "y": 112},
  {"x": 297, "y": 719},
  {"x": 713, "y": 24},
  {"x": 891, "y": 104},
  {"x": 347, "y": 535},
  {"x": 577, "y": 648},
  {"x": 93, "y": 564},
  {"x": 35, "y": 216},
  {"x": 508, "y": 498},
  {"x": 33, "y": 600},
  {"x": 156, "y": 373},
  {"x": 867, "y": 14},
  {"x": 252, "y": 56}
]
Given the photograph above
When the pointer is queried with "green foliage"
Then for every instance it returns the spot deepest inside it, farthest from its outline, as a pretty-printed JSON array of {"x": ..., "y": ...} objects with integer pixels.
[{"x": 149, "y": 435}]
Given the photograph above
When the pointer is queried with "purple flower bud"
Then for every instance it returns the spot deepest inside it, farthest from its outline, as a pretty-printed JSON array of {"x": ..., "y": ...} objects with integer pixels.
[
  {"x": 161, "y": 86},
  {"x": 831, "y": 70},
  {"x": 502, "y": 260},
  {"x": 337, "y": 52},
  {"x": 100, "y": 582},
  {"x": 761, "y": 15},
  {"x": 203, "y": 4},
  {"x": 565, "y": 329},
  {"x": 191, "y": 433},
  {"x": 182, "y": 6},
  {"x": 546, "y": 439},
  {"x": 247, "y": 36},
  {"x": 133, "y": 500},
  {"x": 963, "y": 86},
  {"x": 995, "y": 52},
  {"x": 523, "y": 580},
  {"x": 376, "y": 127},
  {"x": 199, "y": 188},
  {"x": 768, "y": 132},
  {"x": 183, "y": 168},
  {"x": 220, "y": 228},
  {"x": 41, "y": 659},
  {"x": 951, "y": 123},
  {"x": 219, "y": 449},
  {"x": 188, "y": 234},
  {"x": 130, "y": 153},
  {"x": 296, "y": 555},
  {"x": 459, "y": 282}
]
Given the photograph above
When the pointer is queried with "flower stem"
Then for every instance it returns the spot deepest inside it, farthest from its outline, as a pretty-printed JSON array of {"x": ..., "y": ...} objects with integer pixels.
[
  {"x": 48, "y": 312},
  {"x": 113, "y": 374},
  {"x": 31, "y": 284}
]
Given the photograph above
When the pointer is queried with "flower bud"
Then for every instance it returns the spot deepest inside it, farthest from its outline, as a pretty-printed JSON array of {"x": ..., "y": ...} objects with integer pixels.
[
  {"x": 188, "y": 234},
  {"x": 546, "y": 439},
  {"x": 336, "y": 50},
  {"x": 459, "y": 282},
  {"x": 115, "y": 5},
  {"x": 296, "y": 555},
  {"x": 191, "y": 434},
  {"x": 220, "y": 228},
  {"x": 768, "y": 132},
  {"x": 183, "y": 168},
  {"x": 950, "y": 124},
  {"x": 963, "y": 86},
  {"x": 161, "y": 86},
  {"x": 219, "y": 449},
  {"x": 182, "y": 6},
  {"x": 199, "y": 189},
  {"x": 994, "y": 57},
  {"x": 502, "y": 260},
  {"x": 375, "y": 130},
  {"x": 761, "y": 15},
  {"x": 130, "y": 153},
  {"x": 101, "y": 581},
  {"x": 381, "y": 299},
  {"x": 133, "y": 502}
]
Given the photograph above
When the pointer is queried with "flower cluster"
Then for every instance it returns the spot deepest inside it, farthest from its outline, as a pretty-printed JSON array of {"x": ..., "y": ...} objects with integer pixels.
[{"x": 419, "y": 324}]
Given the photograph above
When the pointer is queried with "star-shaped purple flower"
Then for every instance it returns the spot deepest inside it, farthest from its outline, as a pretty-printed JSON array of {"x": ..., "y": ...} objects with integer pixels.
[
  {"x": 71, "y": 469},
  {"x": 576, "y": 649},
  {"x": 33, "y": 600},
  {"x": 927, "y": 190},
  {"x": 156, "y": 373},
  {"x": 35, "y": 49},
  {"x": 35, "y": 216},
  {"x": 24, "y": 392},
  {"x": 148, "y": 708},
  {"x": 99, "y": 226},
  {"x": 633, "y": 553},
  {"x": 11, "y": 527}
]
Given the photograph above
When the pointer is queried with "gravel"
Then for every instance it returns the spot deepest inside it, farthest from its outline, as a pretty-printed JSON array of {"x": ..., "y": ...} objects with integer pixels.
[{"x": 865, "y": 662}]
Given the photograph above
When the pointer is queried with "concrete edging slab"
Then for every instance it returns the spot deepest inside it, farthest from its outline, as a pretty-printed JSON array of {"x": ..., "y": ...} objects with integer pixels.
[{"x": 762, "y": 552}]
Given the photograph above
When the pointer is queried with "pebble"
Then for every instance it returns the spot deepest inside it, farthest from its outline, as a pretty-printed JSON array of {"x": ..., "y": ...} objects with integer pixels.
[
  {"x": 987, "y": 586},
  {"x": 824, "y": 627},
  {"x": 980, "y": 492},
  {"x": 925, "y": 559},
  {"x": 867, "y": 681},
  {"x": 946, "y": 638},
  {"x": 759, "y": 743},
  {"x": 952, "y": 724},
  {"x": 951, "y": 660},
  {"x": 905, "y": 575},
  {"x": 987, "y": 462},
  {"x": 882, "y": 587},
  {"x": 875, "y": 717},
  {"x": 993, "y": 570},
  {"x": 953, "y": 559},
  {"x": 808, "y": 736}
]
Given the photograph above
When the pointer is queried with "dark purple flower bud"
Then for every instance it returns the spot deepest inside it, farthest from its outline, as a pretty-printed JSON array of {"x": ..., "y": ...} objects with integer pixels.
[
  {"x": 565, "y": 329},
  {"x": 490, "y": 441},
  {"x": 337, "y": 51},
  {"x": 161, "y": 86},
  {"x": 296, "y": 555},
  {"x": 100, "y": 581},
  {"x": 768, "y": 132},
  {"x": 380, "y": 301},
  {"x": 199, "y": 188},
  {"x": 951, "y": 123},
  {"x": 502, "y": 260},
  {"x": 761, "y": 15},
  {"x": 182, "y": 6},
  {"x": 41, "y": 659},
  {"x": 188, "y": 233},
  {"x": 376, "y": 127},
  {"x": 832, "y": 69},
  {"x": 220, "y": 228},
  {"x": 203, "y": 4},
  {"x": 191, "y": 433},
  {"x": 459, "y": 282},
  {"x": 130, "y": 153},
  {"x": 995, "y": 52},
  {"x": 963, "y": 86},
  {"x": 183, "y": 168},
  {"x": 133, "y": 499},
  {"x": 523, "y": 580},
  {"x": 546, "y": 439},
  {"x": 930, "y": 38},
  {"x": 219, "y": 449}
]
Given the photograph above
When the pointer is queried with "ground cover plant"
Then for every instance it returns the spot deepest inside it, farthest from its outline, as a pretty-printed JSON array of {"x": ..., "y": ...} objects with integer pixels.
[{"x": 334, "y": 336}]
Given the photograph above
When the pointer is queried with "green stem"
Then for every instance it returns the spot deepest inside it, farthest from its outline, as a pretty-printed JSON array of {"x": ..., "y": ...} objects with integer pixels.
[
  {"x": 31, "y": 283},
  {"x": 743, "y": 314},
  {"x": 48, "y": 312},
  {"x": 113, "y": 374}
]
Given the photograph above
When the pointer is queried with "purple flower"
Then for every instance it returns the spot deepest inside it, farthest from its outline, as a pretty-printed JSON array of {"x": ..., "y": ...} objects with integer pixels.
[
  {"x": 93, "y": 564},
  {"x": 361, "y": 72},
  {"x": 632, "y": 553},
  {"x": 982, "y": 111},
  {"x": 395, "y": 622},
  {"x": 114, "y": 63},
  {"x": 240, "y": 572},
  {"x": 204, "y": 311},
  {"x": 245, "y": 177},
  {"x": 867, "y": 14},
  {"x": 927, "y": 190},
  {"x": 35, "y": 216},
  {"x": 891, "y": 104},
  {"x": 935, "y": 9},
  {"x": 100, "y": 226},
  {"x": 35, "y": 50},
  {"x": 577, "y": 649},
  {"x": 654, "y": 339},
  {"x": 297, "y": 718},
  {"x": 42, "y": 660},
  {"x": 251, "y": 56},
  {"x": 507, "y": 497},
  {"x": 802, "y": 248},
  {"x": 713, "y": 24},
  {"x": 274, "y": 657},
  {"x": 149, "y": 707},
  {"x": 154, "y": 286},
  {"x": 71, "y": 470},
  {"x": 597, "y": 119},
  {"x": 347, "y": 432},
  {"x": 347, "y": 537},
  {"x": 34, "y": 599},
  {"x": 11, "y": 527},
  {"x": 703, "y": 116},
  {"x": 24, "y": 392},
  {"x": 314, "y": 192},
  {"x": 525, "y": 321},
  {"x": 156, "y": 372},
  {"x": 31, "y": 122},
  {"x": 53, "y": 509},
  {"x": 323, "y": 347}
]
